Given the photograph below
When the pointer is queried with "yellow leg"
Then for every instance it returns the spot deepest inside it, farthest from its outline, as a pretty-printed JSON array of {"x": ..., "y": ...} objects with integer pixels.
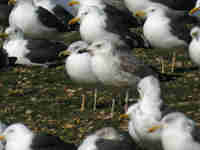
[
  {"x": 83, "y": 103},
  {"x": 173, "y": 62}
]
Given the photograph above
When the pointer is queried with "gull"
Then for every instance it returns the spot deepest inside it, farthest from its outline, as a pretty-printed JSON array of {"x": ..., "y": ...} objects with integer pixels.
[
  {"x": 116, "y": 8},
  {"x": 108, "y": 138},
  {"x": 178, "y": 132},
  {"x": 37, "y": 22},
  {"x": 115, "y": 66},
  {"x": 148, "y": 111},
  {"x": 171, "y": 25},
  {"x": 30, "y": 51},
  {"x": 135, "y": 5},
  {"x": 96, "y": 24},
  {"x": 78, "y": 67},
  {"x": 194, "y": 47},
  {"x": 18, "y": 136}
]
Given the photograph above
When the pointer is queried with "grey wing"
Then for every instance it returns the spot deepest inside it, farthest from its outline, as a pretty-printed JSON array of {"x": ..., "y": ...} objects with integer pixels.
[{"x": 129, "y": 63}]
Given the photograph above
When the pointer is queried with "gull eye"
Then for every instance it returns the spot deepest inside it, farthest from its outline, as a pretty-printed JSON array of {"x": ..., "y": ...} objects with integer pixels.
[
  {"x": 98, "y": 45},
  {"x": 11, "y": 131},
  {"x": 152, "y": 10},
  {"x": 85, "y": 13}
]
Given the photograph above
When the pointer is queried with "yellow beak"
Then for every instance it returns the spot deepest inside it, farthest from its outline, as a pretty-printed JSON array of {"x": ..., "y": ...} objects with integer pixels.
[
  {"x": 64, "y": 53},
  {"x": 11, "y": 2},
  {"x": 194, "y": 34},
  {"x": 3, "y": 35},
  {"x": 154, "y": 128},
  {"x": 2, "y": 138},
  {"x": 194, "y": 10},
  {"x": 124, "y": 116},
  {"x": 73, "y": 2},
  {"x": 74, "y": 20},
  {"x": 140, "y": 14}
]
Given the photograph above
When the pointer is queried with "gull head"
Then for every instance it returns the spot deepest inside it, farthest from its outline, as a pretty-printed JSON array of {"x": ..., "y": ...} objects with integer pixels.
[
  {"x": 151, "y": 11},
  {"x": 78, "y": 47},
  {"x": 86, "y": 11},
  {"x": 13, "y": 32},
  {"x": 195, "y": 33},
  {"x": 103, "y": 47},
  {"x": 15, "y": 132},
  {"x": 149, "y": 86}
]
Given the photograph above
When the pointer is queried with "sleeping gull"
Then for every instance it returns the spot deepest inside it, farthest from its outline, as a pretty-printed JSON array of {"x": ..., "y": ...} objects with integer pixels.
[{"x": 178, "y": 132}]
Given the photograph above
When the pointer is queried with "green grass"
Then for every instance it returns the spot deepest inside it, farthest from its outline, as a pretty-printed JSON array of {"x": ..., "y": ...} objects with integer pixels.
[{"x": 46, "y": 100}]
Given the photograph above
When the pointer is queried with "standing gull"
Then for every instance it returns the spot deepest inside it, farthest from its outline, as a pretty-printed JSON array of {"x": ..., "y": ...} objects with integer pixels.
[
  {"x": 194, "y": 47},
  {"x": 29, "y": 51},
  {"x": 178, "y": 132},
  {"x": 148, "y": 111},
  {"x": 108, "y": 139},
  {"x": 104, "y": 26},
  {"x": 78, "y": 66},
  {"x": 135, "y": 5},
  {"x": 37, "y": 22},
  {"x": 18, "y": 136},
  {"x": 171, "y": 25}
]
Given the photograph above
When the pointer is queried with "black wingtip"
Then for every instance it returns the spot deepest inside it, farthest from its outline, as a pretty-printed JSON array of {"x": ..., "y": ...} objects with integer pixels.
[{"x": 167, "y": 77}]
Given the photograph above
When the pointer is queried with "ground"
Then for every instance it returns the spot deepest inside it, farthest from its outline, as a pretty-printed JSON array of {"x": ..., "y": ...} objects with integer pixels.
[{"x": 46, "y": 100}]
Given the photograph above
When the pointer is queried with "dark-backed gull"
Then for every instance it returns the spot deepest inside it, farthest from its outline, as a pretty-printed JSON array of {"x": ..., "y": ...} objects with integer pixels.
[
  {"x": 37, "y": 22},
  {"x": 173, "y": 32},
  {"x": 108, "y": 139},
  {"x": 96, "y": 24},
  {"x": 29, "y": 51},
  {"x": 18, "y": 136},
  {"x": 135, "y": 5}
]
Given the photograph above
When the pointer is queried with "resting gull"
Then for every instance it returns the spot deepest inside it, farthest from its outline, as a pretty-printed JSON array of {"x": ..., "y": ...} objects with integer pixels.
[
  {"x": 178, "y": 132},
  {"x": 31, "y": 51},
  {"x": 108, "y": 139},
  {"x": 18, "y": 136},
  {"x": 37, "y": 22},
  {"x": 173, "y": 32},
  {"x": 148, "y": 111},
  {"x": 135, "y": 5},
  {"x": 78, "y": 66},
  {"x": 104, "y": 26}
]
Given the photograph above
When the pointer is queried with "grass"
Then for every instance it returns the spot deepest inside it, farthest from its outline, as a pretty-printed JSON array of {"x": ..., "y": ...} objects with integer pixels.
[{"x": 46, "y": 100}]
